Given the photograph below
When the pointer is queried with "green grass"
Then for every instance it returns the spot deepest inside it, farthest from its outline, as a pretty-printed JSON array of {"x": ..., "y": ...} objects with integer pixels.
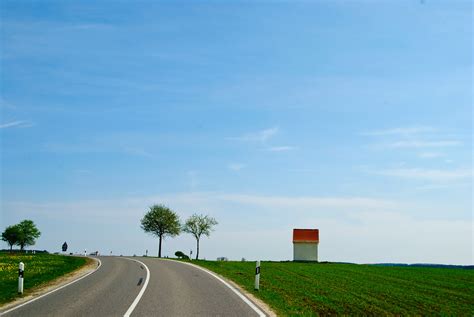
[
  {"x": 39, "y": 269},
  {"x": 348, "y": 289}
]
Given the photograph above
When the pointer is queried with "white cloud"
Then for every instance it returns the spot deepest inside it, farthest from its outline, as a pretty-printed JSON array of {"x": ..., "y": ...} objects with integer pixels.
[
  {"x": 259, "y": 136},
  {"x": 18, "y": 124},
  {"x": 428, "y": 174},
  {"x": 236, "y": 166}
]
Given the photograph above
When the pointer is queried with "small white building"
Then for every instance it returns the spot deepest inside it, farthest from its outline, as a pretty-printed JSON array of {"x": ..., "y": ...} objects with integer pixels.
[{"x": 305, "y": 244}]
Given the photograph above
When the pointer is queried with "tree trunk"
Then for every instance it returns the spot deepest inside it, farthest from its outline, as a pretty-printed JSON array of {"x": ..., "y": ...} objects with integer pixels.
[
  {"x": 197, "y": 249},
  {"x": 159, "y": 247}
]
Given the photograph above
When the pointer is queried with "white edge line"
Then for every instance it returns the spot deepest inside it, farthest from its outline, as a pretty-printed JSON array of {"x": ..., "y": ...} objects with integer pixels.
[
  {"x": 54, "y": 290},
  {"x": 233, "y": 289},
  {"x": 139, "y": 296}
]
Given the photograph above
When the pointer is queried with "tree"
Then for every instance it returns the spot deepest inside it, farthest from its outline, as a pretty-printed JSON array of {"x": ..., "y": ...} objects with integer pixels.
[
  {"x": 10, "y": 235},
  {"x": 197, "y": 225},
  {"x": 27, "y": 233},
  {"x": 161, "y": 222}
]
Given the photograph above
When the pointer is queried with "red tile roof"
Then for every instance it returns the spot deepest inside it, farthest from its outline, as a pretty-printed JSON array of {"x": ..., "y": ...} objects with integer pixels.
[{"x": 305, "y": 235}]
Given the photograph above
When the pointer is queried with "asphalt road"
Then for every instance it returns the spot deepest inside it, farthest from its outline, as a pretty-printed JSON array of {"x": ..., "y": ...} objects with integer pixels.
[
  {"x": 122, "y": 285},
  {"x": 107, "y": 292},
  {"x": 177, "y": 289}
]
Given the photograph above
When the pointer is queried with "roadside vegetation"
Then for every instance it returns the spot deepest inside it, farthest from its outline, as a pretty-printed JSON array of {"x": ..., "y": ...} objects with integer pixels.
[
  {"x": 22, "y": 234},
  {"x": 199, "y": 225},
  {"x": 292, "y": 288},
  {"x": 40, "y": 269},
  {"x": 163, "y": 222}
]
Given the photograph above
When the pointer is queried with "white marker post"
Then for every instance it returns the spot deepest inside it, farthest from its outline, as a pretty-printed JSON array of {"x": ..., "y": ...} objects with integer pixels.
[
  {"x": 257, "y": 276},
  {"x": 21, "y": 269}
]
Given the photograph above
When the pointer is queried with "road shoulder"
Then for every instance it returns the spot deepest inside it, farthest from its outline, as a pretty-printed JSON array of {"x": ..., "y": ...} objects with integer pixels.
[
  {"x": 256, "y": 301},
  {"x": 261, "y": 304}
]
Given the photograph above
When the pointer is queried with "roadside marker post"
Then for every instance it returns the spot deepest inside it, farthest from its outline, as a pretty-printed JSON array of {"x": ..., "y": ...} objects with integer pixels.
[
  {"x": 257, "y": 276},
  {"x": 21, "y": 269}
]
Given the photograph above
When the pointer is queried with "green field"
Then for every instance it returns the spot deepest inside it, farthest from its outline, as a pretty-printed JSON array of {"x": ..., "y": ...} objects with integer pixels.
[
  {"x": 348, "y": 289},
  {"x": 39, "y": 269}
]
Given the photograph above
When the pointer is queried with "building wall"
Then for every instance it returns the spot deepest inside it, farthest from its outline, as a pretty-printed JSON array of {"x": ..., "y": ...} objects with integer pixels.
[{"x": 305, "y": 252}]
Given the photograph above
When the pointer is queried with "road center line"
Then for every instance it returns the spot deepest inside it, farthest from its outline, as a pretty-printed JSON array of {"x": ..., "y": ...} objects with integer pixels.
[
  {"x": 54, "y": 290},
  {"x": 142, "y": 291},
  {"x": 233, "y": 289}
]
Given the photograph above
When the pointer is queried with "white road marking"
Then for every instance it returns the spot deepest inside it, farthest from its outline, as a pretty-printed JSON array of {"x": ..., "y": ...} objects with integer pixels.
[
  {"x": 50, "y": 292},
  {"x": 139, "y": 296},
  {"x": 233, "y": 289}
]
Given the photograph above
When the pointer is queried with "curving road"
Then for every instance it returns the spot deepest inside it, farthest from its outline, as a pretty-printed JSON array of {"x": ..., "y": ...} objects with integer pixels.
[{"x": 147, "y": 287}]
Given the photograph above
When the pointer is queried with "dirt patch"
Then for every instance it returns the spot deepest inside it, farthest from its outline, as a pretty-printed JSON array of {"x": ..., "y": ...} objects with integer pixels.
[{"x": 90, "y": 266}]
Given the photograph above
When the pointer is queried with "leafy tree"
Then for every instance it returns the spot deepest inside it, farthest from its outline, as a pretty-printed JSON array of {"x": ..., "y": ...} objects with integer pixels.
[
  {"x": 10, "y": 235},
  {"x": 161, "y": 222},
  {"x": 197, "y": 225},
  {"x": 27, "y": 233}
]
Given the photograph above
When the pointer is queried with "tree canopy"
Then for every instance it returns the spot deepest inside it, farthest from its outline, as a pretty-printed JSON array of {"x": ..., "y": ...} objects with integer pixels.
[
  {"x": 23, "y": 234},
  {"x": 28, "y": 233},
  {"x": 199, "y": 225},
  {"x": 10, "y": 235},
  {"x": 161, "y": 222}
]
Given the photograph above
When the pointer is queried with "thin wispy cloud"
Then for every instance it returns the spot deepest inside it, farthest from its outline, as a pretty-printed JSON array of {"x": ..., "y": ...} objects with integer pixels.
[
  {"x": 280, "y": 148},
  {"x": 94, "y": 26},
  {"x": 236, "y": 166},
  {"x": 435, "y": 175},
  {"x": 415, "y": 137},
  {"x": 424, "y": 144},
  {"x": 442, "y": 186},
  {"x": 306, "y": 202},
  {"x": 5, "y": 104},
  {"x": 137, "y": 151},
  {"x": 259, "y": 136},
  {"x": 16, "y": 124},
  {"x": 430, "y": 155},
  {"x": 96, "y": 147},
  {"x": 193, "y": 179},
  {"x": 401, "y": 131}
]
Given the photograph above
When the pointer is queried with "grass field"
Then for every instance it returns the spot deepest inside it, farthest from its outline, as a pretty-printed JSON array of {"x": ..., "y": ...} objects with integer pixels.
[
  {"x": 39, "y": 269},
  {"x": 349, "y": 289}
]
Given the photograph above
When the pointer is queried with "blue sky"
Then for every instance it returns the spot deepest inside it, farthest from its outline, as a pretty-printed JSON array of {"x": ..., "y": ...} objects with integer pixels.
[{"x": 354, "y": 117}]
